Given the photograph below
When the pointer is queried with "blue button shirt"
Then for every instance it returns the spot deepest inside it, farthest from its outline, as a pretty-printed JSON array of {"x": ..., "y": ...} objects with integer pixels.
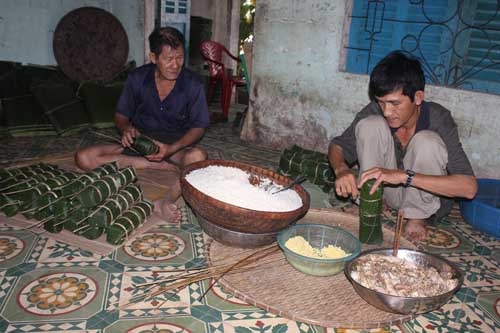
[{"x": 184, "y": 108}]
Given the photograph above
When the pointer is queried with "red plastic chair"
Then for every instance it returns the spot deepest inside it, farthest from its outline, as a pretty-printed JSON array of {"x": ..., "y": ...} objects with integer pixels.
[{"x": 214, "y": 54}]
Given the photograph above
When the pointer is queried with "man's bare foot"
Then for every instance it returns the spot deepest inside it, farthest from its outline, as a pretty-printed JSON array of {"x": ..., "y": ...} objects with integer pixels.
[
  {"x": 386, "y": 211},
  {"x": 415, "y": 230},
  {"x": 167, "y": 211}
]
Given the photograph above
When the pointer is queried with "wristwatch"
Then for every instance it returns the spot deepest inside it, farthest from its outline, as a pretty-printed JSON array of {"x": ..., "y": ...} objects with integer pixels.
[{"x": 409, "y": 177}]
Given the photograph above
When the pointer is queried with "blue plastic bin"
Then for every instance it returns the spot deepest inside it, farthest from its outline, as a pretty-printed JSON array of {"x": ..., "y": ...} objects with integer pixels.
[{"x": 483, "y": 212}]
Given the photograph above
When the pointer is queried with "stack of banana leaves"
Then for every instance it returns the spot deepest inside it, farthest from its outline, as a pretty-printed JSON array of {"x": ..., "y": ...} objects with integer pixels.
[{"x": 105, "y": 200}]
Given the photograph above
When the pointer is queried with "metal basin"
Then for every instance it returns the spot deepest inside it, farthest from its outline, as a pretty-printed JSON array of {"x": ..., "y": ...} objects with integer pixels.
[
  {"x": 236, "y": 238},
  {"x": 407, "y": 305}
]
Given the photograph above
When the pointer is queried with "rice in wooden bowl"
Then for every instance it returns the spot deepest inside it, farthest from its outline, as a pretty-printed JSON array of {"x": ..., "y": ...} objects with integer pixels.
[{"x": 255, "y": 220}]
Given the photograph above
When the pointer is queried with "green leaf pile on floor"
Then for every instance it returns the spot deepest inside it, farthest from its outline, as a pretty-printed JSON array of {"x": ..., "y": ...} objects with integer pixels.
[
  {"x": 311, "y": 164},
  {"x": 105, "y": 200}
]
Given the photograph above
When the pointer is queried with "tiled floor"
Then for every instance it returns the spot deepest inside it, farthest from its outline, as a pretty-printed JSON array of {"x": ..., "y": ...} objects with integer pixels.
[{"x": 49, "y": 286}]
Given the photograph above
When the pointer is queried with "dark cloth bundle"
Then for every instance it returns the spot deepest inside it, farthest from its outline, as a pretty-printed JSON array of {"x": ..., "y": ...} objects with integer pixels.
[{"x": 311, "y": 164}]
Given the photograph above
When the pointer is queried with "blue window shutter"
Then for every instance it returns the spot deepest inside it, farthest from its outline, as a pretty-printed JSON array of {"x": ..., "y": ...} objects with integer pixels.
[
  {"x": 484, "y": 49},
  {"x": 457, "y": 41},
  {"x": 379, "y": 27}
]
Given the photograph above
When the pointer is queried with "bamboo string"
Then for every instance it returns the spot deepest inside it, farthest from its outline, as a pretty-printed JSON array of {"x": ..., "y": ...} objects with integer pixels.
[
  {"x": 30, "y": 203},
  {"x": 237, "y": 264},
  {"x": 83, "y": 227},
  {"x": 24, "y": 181},
  {"x": 115, "y": 139},
  {"x": 215, "y": 272},
  {"x": 36, "y": 225},
  {"x": 398, "y": 232},
  {"x": 16, "y": 202}
]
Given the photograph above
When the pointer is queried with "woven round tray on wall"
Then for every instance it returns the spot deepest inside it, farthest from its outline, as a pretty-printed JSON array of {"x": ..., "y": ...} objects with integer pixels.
[{"x": 90, "y": 44}]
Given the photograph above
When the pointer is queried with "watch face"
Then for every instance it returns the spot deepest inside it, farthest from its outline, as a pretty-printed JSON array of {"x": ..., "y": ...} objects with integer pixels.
[{"x": 409, "y": 177}]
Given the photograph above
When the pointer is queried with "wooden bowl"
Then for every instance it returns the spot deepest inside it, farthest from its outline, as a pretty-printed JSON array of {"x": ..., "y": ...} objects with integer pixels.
[{"x": 236, "y": 218}]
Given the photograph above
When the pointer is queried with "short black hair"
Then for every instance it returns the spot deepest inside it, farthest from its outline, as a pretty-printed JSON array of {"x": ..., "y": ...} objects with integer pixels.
[
  {"x": 396, "y": 71},
  {"x": 161, "y": 37}
]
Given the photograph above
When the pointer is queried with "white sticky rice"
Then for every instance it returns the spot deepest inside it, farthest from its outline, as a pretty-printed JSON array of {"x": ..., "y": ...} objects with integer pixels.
[{"x": 231, "y": 185}]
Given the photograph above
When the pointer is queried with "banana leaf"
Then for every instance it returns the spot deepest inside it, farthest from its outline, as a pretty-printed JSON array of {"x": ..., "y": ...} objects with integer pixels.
[
  {"x": 61, "y": 106},
  {"x": 76, "y": 219},
  {"x": 370, "y": 209},
  {"x": 124, "y": 225},
  {"x": 6, "y": 173},
  {"x": 115, "y": 206},
  {"x": 44, "y": 205},
  {"x": 18, "y": 185},
  {"x": 90, "y": 232},
  {"x": 53, "y": 226},
  {"x": 60, "y": 180},
  {"x": 78, "y": 184},
  {"x": 13, "y": 175},
  {"x": 27, "y": 194},
  {"x": 311, "y": 164},
  {"x": 100, "y": 102},
  {"x": 127, "y": 175},
  {"x": 99, "y": 191},
  {"x": 145, "y": 146},
  {"x": 8, "y": 206}
]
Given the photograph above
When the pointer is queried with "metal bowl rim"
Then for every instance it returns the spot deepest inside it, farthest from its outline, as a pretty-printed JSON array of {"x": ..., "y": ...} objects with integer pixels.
[{"x": 457, "y": 271}]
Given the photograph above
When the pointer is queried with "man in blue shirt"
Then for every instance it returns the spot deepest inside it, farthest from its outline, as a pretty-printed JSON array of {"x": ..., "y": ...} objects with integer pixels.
[{"x": 164, "y": 101}]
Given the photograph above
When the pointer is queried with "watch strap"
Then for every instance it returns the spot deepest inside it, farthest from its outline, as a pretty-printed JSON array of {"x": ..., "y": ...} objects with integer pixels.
[{"x": 409, "y": 177}]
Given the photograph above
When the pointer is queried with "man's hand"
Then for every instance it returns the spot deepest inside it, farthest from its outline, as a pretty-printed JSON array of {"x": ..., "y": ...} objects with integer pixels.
[
  {"x": 165, "y": 150},
  {"x": 381, "y": 175},
  {"x": 345, "y": 183},
  {"x": 128, "y": 135}
]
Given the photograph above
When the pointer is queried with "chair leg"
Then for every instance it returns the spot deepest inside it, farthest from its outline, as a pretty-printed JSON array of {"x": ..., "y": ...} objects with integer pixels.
[
  {"x": 226, "y": 98},
  {"x": 211, "y": 88}
]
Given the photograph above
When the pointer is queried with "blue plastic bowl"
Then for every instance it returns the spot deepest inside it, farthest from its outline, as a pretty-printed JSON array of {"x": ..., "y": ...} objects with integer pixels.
[{"x": 483, "y": 212}]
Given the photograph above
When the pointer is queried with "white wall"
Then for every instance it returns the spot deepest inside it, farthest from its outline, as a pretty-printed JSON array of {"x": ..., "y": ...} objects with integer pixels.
[
  {"x": 300, "y": 96},
  {"x": 27, "y": 27}
]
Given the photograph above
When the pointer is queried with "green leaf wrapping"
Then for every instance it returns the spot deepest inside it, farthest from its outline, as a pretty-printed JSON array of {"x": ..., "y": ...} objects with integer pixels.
[
  {"x": 28, "y": 197},
  {"x": 60, "y": 180},
  {"x": 127, "y": 175},
  {"x": 27, "y": 171},
  {"x": 101, "y": 189},
  {"x": 91, "y": 232},
  {"x": 98, "y": 191},
  {"x": 87, "y": 178},
  {"x": 124, "y": 225},
  {"x": 145, "y": 146},
  {"x": 44, "y": 205},
  {"x": 85, "y": 204},
  {"x": 8, "y": 206},
  {"x": 53, "y": 226},
  {"x": 370, "y": 208},
  {"x": 311, "y": 164},
  {"x": 76, "y": 219},
  {"x": 114, "y": 206}
]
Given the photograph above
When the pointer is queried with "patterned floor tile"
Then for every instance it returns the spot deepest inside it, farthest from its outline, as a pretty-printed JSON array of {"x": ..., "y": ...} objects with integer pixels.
[{"x": 49, "y": 286}]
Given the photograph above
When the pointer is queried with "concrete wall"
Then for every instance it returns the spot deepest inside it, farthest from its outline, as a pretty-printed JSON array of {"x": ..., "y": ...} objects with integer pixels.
[
  {"x": 203, "y": 8},
  {"x": 299, "y": 95},
  {"x": 225, "y": 16},
  {"x": 27, "y": 27}
]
